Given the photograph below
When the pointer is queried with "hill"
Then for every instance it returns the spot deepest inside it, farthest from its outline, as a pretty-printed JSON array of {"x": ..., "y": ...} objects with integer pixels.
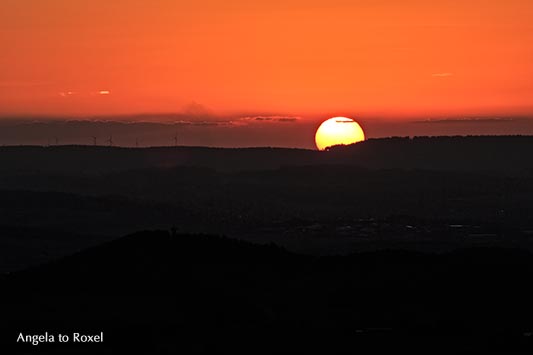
[
  {"x": 99, "y": 159},
  {"x": 504, "y": 154},
  {"x": 158, "y": 292}
]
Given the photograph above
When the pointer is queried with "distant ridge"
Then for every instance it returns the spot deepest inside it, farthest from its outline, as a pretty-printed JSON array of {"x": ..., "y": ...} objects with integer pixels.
[
  {"x": 505, "y": 154},
  {"x": 104, "y": 159}
]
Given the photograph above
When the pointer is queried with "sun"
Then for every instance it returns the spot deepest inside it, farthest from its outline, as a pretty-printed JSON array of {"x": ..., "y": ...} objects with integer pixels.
[{"x": 338, "y": 130}]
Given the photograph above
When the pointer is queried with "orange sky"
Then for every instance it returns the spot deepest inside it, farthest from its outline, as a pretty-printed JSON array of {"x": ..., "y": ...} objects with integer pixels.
[{"x": 293, "y": 57}]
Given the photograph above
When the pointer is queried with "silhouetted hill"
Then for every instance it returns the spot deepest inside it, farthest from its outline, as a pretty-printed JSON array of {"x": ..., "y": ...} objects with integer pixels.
[
  {"x": 23, "y": 246},
  {"x": 320, "y": 209},
  {"x": 163, "y": 293},
  {"x": 398, "y": 199},
  {"x": 99, "y": 159},
  {"x": 504, "y": 154}
]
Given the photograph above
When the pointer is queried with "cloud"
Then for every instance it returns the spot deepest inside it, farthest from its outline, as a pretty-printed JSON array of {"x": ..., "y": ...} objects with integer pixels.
[
  {"x": 342, "y": 121},
  {"x": 468, "y": 120},
  {"x": 208, "y": 123},
  {"x": 288, "y": 119},
  {"x": 441, "y": 75},
  {"x": 67, "y": 93},
  {"x": 185, "y": 118},
  {"x": 273, "y": 118},
  {"x": 196, "y": 109}
]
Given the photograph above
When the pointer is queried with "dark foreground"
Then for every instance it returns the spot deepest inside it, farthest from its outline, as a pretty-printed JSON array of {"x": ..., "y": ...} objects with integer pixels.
[
  {"x": 390, "y": 244},
  {"x": 160, "y": 293}
]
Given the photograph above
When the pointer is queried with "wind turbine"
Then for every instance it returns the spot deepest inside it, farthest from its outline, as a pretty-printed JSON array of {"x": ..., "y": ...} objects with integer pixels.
[
  {"x": 110, "y": 140},
  {"x": 94, "y": 140},
  {"x": 176, "y": 139}
]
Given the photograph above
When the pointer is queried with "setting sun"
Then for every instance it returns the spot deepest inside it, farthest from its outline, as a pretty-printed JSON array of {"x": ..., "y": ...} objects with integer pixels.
[{"x": 338, "y": 130}]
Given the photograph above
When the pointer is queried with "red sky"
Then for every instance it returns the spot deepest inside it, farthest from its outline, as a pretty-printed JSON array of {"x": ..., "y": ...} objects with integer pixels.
[{"x": 386, "y": 59}]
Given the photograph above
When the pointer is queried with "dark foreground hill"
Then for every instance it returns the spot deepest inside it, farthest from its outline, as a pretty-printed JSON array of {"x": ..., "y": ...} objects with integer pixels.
[{"x": 162, "y": 293}]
